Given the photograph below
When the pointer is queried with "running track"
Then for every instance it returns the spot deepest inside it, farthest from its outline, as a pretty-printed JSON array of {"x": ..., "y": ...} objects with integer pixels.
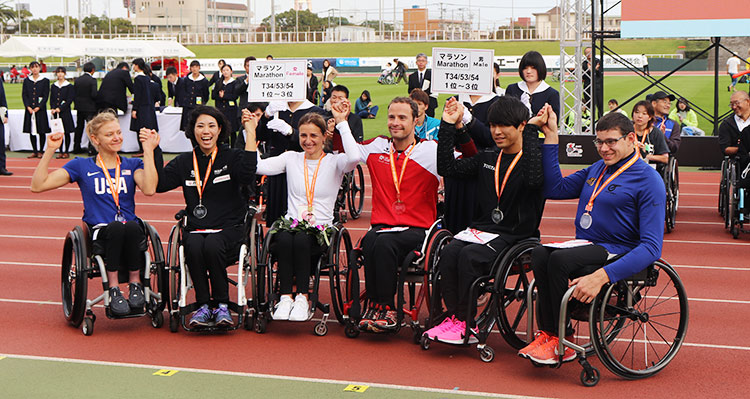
[{"x": 712, "y": 265}]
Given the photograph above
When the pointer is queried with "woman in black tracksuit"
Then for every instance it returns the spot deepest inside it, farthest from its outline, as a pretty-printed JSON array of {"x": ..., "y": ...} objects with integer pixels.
[
  {"x": 61, "y": 98},
  {"x": 144, "y": 111},
  {"x": 215, "y": 208},
  {"x": 225, "y": 98}
]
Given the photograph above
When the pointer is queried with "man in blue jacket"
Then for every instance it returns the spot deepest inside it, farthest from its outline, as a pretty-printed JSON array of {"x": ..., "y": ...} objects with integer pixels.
[{"x": 620, "y": 212}]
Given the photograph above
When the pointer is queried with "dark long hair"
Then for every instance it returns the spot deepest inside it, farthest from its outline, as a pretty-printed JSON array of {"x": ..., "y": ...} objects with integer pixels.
[{"x": 366, "y": 93}]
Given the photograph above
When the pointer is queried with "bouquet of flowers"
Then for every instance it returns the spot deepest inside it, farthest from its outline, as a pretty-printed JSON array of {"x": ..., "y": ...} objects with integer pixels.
[{"x": 293, "y": 225}]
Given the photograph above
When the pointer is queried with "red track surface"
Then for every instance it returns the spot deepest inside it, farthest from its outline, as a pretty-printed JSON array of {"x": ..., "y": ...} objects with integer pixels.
[{"x": 712, "y": 265}]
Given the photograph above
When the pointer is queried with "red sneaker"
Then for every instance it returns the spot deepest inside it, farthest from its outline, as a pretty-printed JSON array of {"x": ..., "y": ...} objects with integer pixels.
[
  {"x": 547, "y": 353},
  {"x": 541, "y": 338}
]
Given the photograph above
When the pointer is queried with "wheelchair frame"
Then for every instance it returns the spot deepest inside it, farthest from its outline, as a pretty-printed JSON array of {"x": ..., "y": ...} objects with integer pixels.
[
  {"x": 180, "y": 281},
  {"x": 736, "y": 212},
  {"x": 351, "y": 194},
  {"x": 416, "y": 268},
  {"x": 505, "y": 296},
  {"x": 618, "y": 316},
  {"x": 671, "y": 176},
  {"x": 79, "y": 265},
  {"x": 266, "y": 284}
]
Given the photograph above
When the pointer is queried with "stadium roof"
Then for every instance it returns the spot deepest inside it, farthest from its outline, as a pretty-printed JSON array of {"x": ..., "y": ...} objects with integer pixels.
[{"x": 28, "y": 46}]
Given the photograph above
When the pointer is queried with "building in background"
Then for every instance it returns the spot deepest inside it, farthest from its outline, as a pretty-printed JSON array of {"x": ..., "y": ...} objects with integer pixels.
[
  {"x": 417, "y": 20},
  {"x": 189, "y": 16},
  {"x": 548, "y": 23}
]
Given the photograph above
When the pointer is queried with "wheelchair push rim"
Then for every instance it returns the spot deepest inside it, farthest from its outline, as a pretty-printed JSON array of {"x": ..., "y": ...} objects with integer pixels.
[
  {"x": 356, "y": 194},
  {"x": 650, "y": 322},
  {"x": 74, "y": 277},
  {"x": 511, "y": 299}
]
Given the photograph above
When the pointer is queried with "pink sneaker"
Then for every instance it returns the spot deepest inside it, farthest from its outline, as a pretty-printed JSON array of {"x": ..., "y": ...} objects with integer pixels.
[
  {"x": 440, "y": 328},
  {"x": 455, "y": 335}
]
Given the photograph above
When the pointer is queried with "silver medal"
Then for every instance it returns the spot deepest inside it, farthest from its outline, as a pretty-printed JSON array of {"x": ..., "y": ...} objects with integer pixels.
[
  {"x": 200, "y": 211},
  {"x": 119, "y": 217},
  {"x": 497, "y": 216},
  {"x": 585, "y": 221}
]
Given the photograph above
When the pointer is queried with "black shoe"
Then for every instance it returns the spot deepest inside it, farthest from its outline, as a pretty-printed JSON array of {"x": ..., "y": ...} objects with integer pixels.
[
  {"x": 136, "y": 297},
  {"x": 117, "y": 303},
  {"x": 5, "y": 172}
]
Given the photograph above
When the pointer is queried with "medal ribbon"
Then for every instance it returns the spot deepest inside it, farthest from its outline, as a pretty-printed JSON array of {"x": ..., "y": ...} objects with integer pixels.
[
  {"x": 310, "y": 192},
  {"x": 499, "y": 189},
  {"x": 198, "y": 184},
  {"x": 598, "y": 189},
  {"x": 398, "y": 179},
  {"x": 113, "y": 185}
]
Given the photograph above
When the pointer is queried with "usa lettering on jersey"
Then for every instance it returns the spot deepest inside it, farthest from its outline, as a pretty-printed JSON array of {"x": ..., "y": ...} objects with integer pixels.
[{"x": 101, "y": 187}]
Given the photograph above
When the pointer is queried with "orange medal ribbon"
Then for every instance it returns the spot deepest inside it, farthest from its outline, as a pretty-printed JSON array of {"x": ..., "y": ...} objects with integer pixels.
[
  {"x": 198, "y": 184},
  {"x": 498, "y": 188},
  {"x": 598, "y": 190},
  {"x": 310, "y": 192},
  {"x": 397, "y": 179}
]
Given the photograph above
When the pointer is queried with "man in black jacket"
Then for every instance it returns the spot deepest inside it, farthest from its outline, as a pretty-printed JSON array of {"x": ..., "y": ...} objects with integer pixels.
[
  {"x": 241, "y": 89},
  {"x": 112, "y": 92},
  {"x": 736, "y": 125},
  {"x": 3, "y": 119},
  {"x": 85, "y": 89},
  {"x": 422, "y": 79}
]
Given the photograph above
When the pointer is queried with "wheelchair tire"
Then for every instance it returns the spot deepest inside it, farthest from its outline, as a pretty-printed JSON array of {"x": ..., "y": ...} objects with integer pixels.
[
  {"x": 159, "y": 273},
  {"x": 74, "y": 276},
  {"x": 511, "y": 285},
  {"x": 590, "y": 379},
  {"x": 173, "y": 266},
  {"x": 436, "y": 312},
  {"x": 88, "y": 326},
  {"x": 356, "y": 195},
  {"x": 174, "y": 323},
  {"x": 647, "y": 309},
  {"x": 337, "y": 268},
  {"x": 157, "y": 319}
]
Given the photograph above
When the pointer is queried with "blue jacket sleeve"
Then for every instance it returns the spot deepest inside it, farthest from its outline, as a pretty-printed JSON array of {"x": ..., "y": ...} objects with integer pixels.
[
  {"x": 555, "y": 185},
  {"x": 651, "y": 205}
]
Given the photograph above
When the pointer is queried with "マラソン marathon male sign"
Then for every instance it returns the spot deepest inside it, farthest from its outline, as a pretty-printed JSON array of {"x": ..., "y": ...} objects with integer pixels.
[
  {"x": 277, "y": 80},
  {"x": 462, "y": 71}
]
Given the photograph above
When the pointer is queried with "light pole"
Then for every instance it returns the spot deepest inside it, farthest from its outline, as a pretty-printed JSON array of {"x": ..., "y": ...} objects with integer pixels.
[{"x": 67, "y": 20}]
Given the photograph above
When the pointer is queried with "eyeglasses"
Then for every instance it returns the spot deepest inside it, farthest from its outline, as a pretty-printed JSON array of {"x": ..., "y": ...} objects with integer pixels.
[
  {"x": 609, "y": 142},
  {"x": 735, "y": 103}
]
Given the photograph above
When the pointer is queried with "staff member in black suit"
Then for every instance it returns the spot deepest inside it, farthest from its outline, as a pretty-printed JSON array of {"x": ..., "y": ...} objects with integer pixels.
[
  {"x": 196, "y": 93},
  {"x": 61, "y": 98},
  {"x": 216, "y": 77},
  {"x": 4, "y": 117},
  {"x": 112, "y": 94},
  {"x": 159, "y": 96},
  {"x": 225, "y": 98},
  {"x": 144, "y": 112},
  {"x": 241, "y": 89},
  {"x": 422, "y": 79},
  {"x": 85, "y": 95},
  {"x": 175, "y": 93},
  {"x": 34, "y": 93}
]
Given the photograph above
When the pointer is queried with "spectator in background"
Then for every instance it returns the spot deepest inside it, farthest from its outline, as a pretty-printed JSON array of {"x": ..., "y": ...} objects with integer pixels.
[
  {"x": 340, "y": 95},
  {"x": 735, "y": 125},
  {"x": 687, "y": 118},
  {"x": 425, "y": 126},
  {"x": 329, "y": 72},
  {"x": 112, "y": 92},
  {"x": 326, "y": 92},
  {"x": 533, "y": 91},
  {"x": 4, "y": 120},
  {"x": 195, "y": 89},
  {"x": 143, "y": 114},
  {"x": 160, "y": 99},
  {"x": 597, "y": 75},
  {"x": 364, "y": 108},
  {"x": 399, "y": 71},
  {"x": 312, "y": 84},
  {"x": 733, "y": 68},
  {"x": 14, "y": 74},
  {"x": 216, "y": 77},
  {"x": 241, "y": 90},
  {"x": 25, "y": 72},
  {"x": 662, "y": 102},
  {"x": 612, "y": 104},
  {"x": 85, "y": 97},
  {"x": 422, "y": 79},
  {"x": 174, "y": 86},
  {"x": 35, "y": 93},
  {"x": 269, "y": 57},
  {"x": 644, "y": 62},
  {"x": 496, "y": 80},
  {"x": 649, "y": 140},
  {"x": 225, "y": 98},
  {"x": 42, "y": 66},
  {"x": 62, "y": 95}
]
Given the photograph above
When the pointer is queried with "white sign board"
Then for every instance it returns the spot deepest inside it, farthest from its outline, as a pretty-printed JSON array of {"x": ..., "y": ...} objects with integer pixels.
[
  {"x": 462, "y": 71},
  {"x": 277, "y": 80}
]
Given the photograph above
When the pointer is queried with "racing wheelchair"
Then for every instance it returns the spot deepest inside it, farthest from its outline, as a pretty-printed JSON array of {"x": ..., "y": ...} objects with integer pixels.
[
  {"x": 502, "y": 300},
  {"x": 83, "y": 259},
  {"x": 671, "y": 175},
  {"x": 636, "y": 325},
  {"x": 180, "y": 283},
  {"x": 351, "y": 195},
  {"x": 333, "y": 261},
  {"x": 736, "y": 213},
  {"x": 413, "y": 279}
]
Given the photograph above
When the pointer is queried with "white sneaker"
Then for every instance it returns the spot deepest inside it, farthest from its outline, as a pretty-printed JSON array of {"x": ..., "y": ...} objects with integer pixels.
[
  {"x": 301, "y": 309},
  {"x": 283, "y": 308}
]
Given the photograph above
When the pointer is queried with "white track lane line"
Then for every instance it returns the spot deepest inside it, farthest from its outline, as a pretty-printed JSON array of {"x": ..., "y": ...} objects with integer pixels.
[{"x": 272, "y": 376}]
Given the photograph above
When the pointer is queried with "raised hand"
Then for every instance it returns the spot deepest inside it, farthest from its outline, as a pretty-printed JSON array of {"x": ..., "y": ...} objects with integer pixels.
[
  {"x": 451, "y": 111},
  {"x": 341, "y": 111},
  {"x": 149, "y": 138},
  {"x": 249, "y": 120},
  {"x": 540, "y": 119},
  {"x": 54, "y": 141}
]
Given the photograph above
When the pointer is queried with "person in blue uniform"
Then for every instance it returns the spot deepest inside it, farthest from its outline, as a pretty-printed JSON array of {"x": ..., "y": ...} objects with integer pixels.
[
  {"x": 143, "y": 114},
  {"x": 195, "y": 92},
  {"x": 620, "y": 212},
  {"x": 62, "y": 95},
  {"x": 107, "y": 183},
  {"x": 225, "y": 98},
  {"x": 35, "y": 93}
]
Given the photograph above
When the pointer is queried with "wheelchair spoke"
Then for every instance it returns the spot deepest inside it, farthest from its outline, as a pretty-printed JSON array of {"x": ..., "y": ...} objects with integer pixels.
[
  {"x": 662, "y": 324},
  {"x": 651, "y": 316},
  {"x": 632, "y": 341},
  {"x": 519, "y": 316}
]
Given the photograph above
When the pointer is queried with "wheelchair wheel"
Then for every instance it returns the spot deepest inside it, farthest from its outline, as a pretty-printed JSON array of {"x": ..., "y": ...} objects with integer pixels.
[
  {"x": 158, "y": 277},
  {"x": 251, "y": 271},
  {"x": 436, "y": 311},
  {"x": 173, "y": 265},
  {"x": 650, "y": 316},
  {"x": 74, "y": 276},
  {"x": 356, "y": 194},
  {"x": 675, "y": 186},
  {"x": 511, "y": 286},
  {"x": 339, "y": 267},
  {"x": 723, "y": 188},
  {"x": 733, "y": 206}
]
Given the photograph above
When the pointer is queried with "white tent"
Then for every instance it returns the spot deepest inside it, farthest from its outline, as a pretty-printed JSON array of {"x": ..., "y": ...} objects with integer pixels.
[{"x": 42, "y": 47}]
